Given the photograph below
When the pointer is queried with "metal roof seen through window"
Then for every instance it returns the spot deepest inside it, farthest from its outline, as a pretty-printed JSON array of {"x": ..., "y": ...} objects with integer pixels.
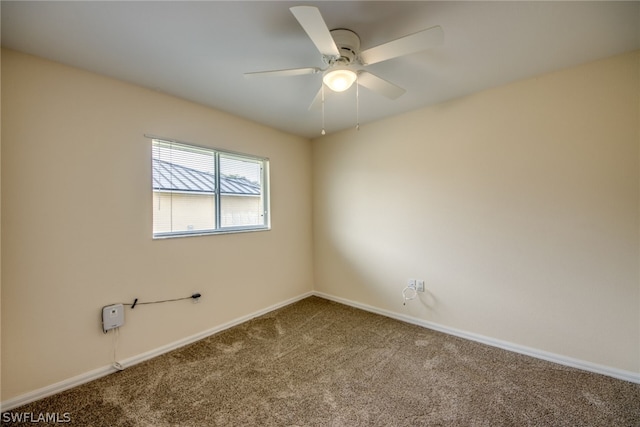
[{"x": 173, "y": 177}]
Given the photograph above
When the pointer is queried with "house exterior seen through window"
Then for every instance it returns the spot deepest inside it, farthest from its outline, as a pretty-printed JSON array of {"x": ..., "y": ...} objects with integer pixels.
[{"x": 200, "y": 190}]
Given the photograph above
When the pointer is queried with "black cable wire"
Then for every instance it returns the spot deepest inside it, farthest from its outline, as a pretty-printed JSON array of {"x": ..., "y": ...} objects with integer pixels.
[{"x": 135, "y": 302}]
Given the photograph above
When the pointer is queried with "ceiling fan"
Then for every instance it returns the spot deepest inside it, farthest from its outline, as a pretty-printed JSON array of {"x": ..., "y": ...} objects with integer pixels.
[{"x": 345, "y": 62}]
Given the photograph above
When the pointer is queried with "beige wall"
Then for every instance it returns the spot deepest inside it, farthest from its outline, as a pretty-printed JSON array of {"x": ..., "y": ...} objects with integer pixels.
[
  {"x": 519, "y": 206},
  {"x": 77, "y": 214}
]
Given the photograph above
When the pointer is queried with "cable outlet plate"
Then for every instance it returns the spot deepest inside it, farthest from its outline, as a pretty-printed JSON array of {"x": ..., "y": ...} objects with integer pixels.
[
  {"x": 112, "y": 317},
  {"x": 418, "y": 285}
]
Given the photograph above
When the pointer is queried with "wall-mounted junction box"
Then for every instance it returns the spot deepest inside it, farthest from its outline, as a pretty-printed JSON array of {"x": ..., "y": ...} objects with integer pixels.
[{"x": 112, "y": 317}]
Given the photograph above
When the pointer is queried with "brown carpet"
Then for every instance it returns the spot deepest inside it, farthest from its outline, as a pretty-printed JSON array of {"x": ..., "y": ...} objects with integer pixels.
[{"x": 319, "y": 363}]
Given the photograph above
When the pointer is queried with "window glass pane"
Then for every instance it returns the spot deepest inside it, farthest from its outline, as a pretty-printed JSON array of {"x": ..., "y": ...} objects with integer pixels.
[
  {"x": 241, "y": 192},
  {"x": 184, "y": 188},
  {"x": 202, "y": 191}
]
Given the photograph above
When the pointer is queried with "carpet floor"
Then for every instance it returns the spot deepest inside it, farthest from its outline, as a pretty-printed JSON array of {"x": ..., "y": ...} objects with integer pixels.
[{"x": 320, "y": 363}]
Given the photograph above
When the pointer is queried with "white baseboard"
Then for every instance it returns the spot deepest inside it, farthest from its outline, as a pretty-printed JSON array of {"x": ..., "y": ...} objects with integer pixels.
[
  {"x": 505, "y": 345},
  {"x": 106, "y": 370}
]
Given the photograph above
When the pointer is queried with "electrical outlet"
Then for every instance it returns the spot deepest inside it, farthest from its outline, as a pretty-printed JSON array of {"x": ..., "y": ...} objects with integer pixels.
[
  {"x": 112, "y": 317},
  {"x": 420, "y": 285}
]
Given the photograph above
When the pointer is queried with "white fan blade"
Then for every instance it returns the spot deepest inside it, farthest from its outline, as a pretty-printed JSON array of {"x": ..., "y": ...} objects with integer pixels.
[
  {"x": 379, "y": 85},
  {"x": 317, "y": 101},
  {"x": 311, "y": 21},
  {"x": 422, "y": 40},
  {"x": 284, "y": 73}
]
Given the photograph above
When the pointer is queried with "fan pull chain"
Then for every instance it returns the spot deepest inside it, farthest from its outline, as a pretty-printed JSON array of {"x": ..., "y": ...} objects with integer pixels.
[
  {"x": 357, "y": 102},
  {"x": 322, "y": 91}
]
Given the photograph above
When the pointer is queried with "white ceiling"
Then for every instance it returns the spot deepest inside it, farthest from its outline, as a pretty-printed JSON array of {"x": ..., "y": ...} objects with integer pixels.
[{"x": 200, "y": 50}]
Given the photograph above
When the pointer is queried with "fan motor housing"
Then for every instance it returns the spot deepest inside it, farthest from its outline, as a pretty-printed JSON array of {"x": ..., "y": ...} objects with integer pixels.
[{"x": 348, "y": 44}]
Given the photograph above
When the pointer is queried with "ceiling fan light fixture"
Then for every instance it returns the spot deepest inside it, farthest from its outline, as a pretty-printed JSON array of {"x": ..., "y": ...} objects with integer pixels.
[{"x": 339, "y": 79}]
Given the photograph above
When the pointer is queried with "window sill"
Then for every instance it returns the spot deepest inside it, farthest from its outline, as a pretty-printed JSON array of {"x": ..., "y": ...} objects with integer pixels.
[{"x": 229, "y": 230}]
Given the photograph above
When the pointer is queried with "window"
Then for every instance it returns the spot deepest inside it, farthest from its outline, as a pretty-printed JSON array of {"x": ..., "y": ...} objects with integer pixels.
[{"x": 199, "y": 191}]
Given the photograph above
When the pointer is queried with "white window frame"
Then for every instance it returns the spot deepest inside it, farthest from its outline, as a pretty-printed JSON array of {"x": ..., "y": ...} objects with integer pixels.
[{"x": 219, "y": 228}]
